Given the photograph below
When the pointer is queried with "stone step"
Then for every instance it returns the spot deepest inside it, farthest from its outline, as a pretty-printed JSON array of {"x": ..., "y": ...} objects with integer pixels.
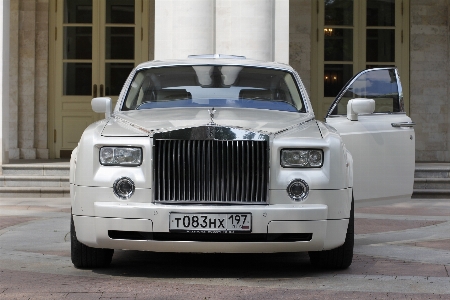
[
  {"x": 34, "y": 192},
  {"x": 432, "y": 180},
  {"x": 432, "y": 173},
  {"x": 432, "y": 170},
  {"x": 431, "y": 193},
  {"x": 34, "y": 181},
  {"x": 432, "y": 183},
  {"x": 35, "y": 178},
  {"x": 36, "y": 170}
]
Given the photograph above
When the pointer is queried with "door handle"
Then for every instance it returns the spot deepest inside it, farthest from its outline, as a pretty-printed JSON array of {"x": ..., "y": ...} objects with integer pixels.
[
  {"x": 101, "y": 90},
  {"x": 94, "y": 92},
  {"x": 403, "y": 124}
]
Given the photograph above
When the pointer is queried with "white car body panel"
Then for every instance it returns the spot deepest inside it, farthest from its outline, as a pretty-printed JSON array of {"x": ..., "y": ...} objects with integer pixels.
[{"x": 388, "y": 152}]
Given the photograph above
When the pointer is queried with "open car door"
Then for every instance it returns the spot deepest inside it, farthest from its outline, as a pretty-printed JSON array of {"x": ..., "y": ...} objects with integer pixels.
[{"x": 369, "y": 115}]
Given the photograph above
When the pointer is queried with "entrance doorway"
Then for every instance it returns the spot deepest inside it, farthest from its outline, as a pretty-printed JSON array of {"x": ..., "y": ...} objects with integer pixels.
[
  {"x": 353, "y": 35},
  {"x": 95, "y": 45}
]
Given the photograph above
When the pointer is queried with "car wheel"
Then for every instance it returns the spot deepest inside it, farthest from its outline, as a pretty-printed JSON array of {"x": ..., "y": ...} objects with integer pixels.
[
  {"x": 341, "y": 257},
  {"x": 87, "y": 257}
]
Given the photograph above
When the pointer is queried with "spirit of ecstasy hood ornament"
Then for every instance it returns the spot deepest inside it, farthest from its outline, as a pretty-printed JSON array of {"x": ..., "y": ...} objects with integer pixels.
[{"x": 211, "y": 115}]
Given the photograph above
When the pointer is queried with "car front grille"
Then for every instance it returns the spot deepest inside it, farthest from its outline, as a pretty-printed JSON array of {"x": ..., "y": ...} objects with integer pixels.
[{"x": 211, "y": 171}]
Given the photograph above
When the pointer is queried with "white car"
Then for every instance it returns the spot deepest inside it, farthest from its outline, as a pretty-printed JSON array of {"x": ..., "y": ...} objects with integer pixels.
[{"x": 222, "y": 154}]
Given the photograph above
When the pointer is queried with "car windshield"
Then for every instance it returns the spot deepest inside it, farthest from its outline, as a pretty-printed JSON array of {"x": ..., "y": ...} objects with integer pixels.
[{"x": 214, "y": 86}]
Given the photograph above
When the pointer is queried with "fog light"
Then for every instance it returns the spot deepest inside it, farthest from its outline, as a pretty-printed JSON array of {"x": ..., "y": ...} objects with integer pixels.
[
  {"x": 298, "y": 189},
  {"x": 123, "y": 188}
]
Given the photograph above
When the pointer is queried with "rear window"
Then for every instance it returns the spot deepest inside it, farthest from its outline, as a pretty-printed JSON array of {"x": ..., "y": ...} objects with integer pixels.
[{"x": 214, "y": 86}]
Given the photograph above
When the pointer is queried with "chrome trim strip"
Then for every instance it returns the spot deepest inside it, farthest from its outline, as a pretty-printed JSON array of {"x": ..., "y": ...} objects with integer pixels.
[
  {"x": 210, "y": 202},
  {"x": 217, "y": 55},
  {"x": 292, "y": 126},
  {"x": 209, "y": 132},
  {"x": 152, "y": 132},
  {"x": 123, "y": 121},
  {"x": 403, "y": 124},
  {"x": 370, "y": 115},
  {"x": 400, "y": 91}
]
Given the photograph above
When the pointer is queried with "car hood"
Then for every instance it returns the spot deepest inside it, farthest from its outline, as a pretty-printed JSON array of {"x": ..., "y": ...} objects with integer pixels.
[{"x": 148, "y": 122}]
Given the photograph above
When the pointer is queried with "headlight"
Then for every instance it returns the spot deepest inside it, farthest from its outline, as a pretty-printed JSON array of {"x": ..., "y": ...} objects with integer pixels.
[
  {"x": 120, "y": 156},
  {"x": 301, "y": 158}
]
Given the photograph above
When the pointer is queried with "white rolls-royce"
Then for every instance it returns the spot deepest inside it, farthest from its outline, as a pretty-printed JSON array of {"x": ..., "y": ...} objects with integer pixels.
[{"x": 223, "y": 154}]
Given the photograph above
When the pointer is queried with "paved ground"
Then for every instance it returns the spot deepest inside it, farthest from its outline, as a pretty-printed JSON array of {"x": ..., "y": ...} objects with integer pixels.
[{"x": 402, "y": 252}]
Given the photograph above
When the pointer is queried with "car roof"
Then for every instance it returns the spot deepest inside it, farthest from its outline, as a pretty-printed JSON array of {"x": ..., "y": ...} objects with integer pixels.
[{"x": 230, "y": 60}]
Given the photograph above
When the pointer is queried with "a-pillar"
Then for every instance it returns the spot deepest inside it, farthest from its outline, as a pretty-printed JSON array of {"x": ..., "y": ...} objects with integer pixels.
[{"x": 4, "y": 81}]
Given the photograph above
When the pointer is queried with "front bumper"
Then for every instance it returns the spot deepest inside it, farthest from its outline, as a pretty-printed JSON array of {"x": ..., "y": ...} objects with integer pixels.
[{"x": 266, "y": 219}]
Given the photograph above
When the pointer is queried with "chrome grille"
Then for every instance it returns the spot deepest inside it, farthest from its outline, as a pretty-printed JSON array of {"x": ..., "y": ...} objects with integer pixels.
[{"x": 211, "y": 171}]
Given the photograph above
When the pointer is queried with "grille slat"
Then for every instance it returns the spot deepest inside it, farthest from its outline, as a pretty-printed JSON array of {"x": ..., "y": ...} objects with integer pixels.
[
  {"x": 188, "y": 172},
  {"x": 210, "y": 171},
  {"x": 242, "y": 190},
  {"x": 247, "y": 177},
  {"x": 258, "y": 170},
  {"x": 163, "y": 188},
  {"x": 252, "y": 190},
  {"x": 233, "y": 171},
  {"x": 179, "y": 169},
  {"x": 174, "y": 170},
  {"x": 213, "y": 172},
  {"x": 222, "y": 181},
  {"x": 194, "y": 169}
]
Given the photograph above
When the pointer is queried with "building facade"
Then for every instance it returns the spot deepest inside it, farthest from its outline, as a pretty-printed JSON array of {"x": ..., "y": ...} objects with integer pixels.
[{"x": 58, "y": 54}]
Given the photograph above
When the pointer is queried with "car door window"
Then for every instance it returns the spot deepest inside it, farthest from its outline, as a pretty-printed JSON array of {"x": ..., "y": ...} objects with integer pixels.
[{"x": 381, "y": 84}]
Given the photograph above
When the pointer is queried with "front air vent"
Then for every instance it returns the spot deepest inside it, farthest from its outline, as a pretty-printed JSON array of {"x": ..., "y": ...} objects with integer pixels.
[{"x": 209, "y": 237}]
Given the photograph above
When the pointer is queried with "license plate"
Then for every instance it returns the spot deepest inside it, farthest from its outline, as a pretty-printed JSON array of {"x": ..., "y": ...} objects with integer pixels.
[{"x": 211, "y": 222}]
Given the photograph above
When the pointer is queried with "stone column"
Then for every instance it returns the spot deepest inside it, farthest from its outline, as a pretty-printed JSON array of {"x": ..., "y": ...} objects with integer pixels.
[
  {"x": 257, "y": 29},
  {"x": 281, "y": 31},
  {"x": 429, "y": 77},
  {"x": 14, "y": 80},
  {"x": 183, "y": 28},
  {"x": 27, "y": 77},
  {"x": 245, "y": 28},
  {"x": 300, "y": 39},
  {"x": 41, "y": 83},
  {"x": 4, "y": 81}
]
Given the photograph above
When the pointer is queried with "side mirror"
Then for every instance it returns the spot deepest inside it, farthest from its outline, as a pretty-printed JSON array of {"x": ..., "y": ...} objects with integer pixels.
[
  {"x": 102, "y": 105},
  {"x": 359, "y": 106}
]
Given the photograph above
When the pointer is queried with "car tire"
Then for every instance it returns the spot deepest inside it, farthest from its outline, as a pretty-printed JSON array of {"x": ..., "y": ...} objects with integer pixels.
[
  {"x": 87, "y": 257},
  {"x": 341, "y": 257}
]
